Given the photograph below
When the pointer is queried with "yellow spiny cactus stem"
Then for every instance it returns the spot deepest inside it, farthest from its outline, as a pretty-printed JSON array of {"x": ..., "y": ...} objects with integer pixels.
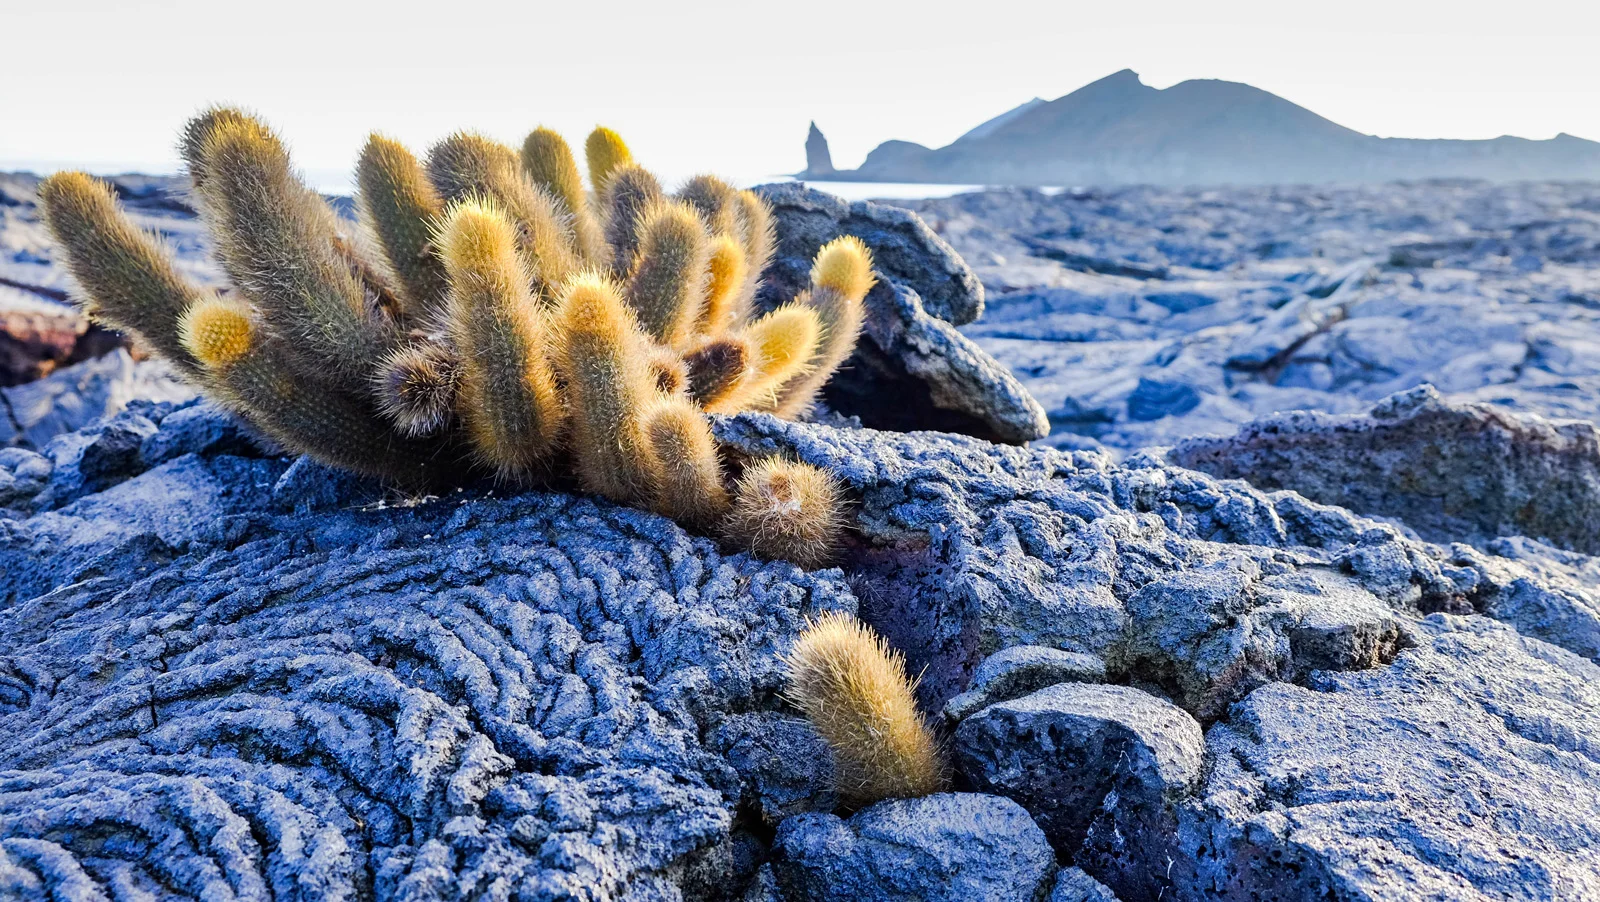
[
  {"x": 218, "y": 332},
  {"x": 197, "y": 131},
  {"x": 278, "y": 242},
  {"x": 787, "y": 510},
  {"x": 507, "y": 394},
  {"x": 725, "y": 279},
  {"x": 466, "y": 165},
  {"x": 632, "y": 191},
  {"x": 719, "y": 371},
  {"x": 548, "y": 162},
  {"x": 416, "y": 388},
  {"x": 605, "y": 362},
  {"x": 248, "y": 371},
  {"x": 853, "y": 688},
  {"x": 844, "y": 265},
  {"x": 605, "y": 153},
  {"x": 841, "y": 276},
  {"x": 400, "y": 208},
  {"x": 716, "y": 201},
  {"x": 785, "y": 342},
  {"x": 760, "y": 236},
  {"x": 686, "y": 476},
  {"x": 667, "y": 284},
  {"x": 128, "y": 276}
]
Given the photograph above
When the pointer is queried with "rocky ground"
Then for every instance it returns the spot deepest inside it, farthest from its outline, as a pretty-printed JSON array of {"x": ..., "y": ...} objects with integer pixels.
[
  {"x": 1142, "y": 316},
  {"x": 1345, "y": 654}
]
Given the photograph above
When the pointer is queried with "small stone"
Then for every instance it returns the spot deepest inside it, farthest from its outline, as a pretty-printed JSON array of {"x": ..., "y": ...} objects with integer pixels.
[{"x": 947, "y": 847}]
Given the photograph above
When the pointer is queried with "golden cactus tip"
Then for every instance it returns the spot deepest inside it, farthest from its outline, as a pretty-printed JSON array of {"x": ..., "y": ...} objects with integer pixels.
[
  {"x": 854, "y": 690},
  {"x": 488, "y": 316},
  {"x": 789, "y": 510}
]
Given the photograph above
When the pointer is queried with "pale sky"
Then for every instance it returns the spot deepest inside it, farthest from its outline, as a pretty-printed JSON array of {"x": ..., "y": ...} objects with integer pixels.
[{"x": 729, "y": 87}]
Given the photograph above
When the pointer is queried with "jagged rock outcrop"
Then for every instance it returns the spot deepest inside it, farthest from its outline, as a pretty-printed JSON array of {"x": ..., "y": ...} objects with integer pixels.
[
  {"x": 226, "y": 673},
  {"x": 819, "y": 162}
]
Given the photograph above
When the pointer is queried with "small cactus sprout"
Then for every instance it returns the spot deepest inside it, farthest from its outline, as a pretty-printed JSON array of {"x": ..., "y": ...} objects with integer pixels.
[
  {"x": 719, "y": 372},
  {"x": 840, "y": 280},
  {"x": 854, "y": 690},
  {"x": 789, "y": 510},
  {"x": 218, "y": 332},
  {"x": 488, "y": 316},
  {"x": 785, "y": 342},
  {"x": 725, "y": 278},
  {"x": 605, "y": 154},
  {"x": 416, "y": 388}
]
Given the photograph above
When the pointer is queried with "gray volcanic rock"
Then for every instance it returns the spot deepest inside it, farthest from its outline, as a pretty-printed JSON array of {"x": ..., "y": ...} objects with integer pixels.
[
  {"x": 73, "y": 397},
  {"x": 373, "y": 701},
  {"x": 220, "y": 669},
  {"x": 1452, "y": 472},
  {"x": 1073, "y": 885},
  {"x": 1020, "y": 670},
  {"x": 1081, "y": 756},
  {"x": 1469, "y": 769},
  {"x": 1271, "y": 299},
  {"x": 948, "y": 847}
]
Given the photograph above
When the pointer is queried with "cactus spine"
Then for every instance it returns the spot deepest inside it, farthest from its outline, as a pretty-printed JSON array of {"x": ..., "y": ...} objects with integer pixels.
[
  {"x": 126, "y": 273},
  {"x": 854, "y": 690},
  {"x": 503, "y": 321},
  {"x": 508, "y": 390},
  {"x": 605, "y": 363},
  {"x": 400, "y": 208},
  {"x": 548, "y": 162},
  {"x": 840, "y": 280}
]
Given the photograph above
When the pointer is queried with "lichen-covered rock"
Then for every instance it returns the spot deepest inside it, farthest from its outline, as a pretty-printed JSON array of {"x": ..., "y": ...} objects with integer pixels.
[
  {"x": 1468, "y": 769},
  {"x": 1085, "y": 758},
  {"x": 911, "y": 369},
  {"x": 1020, "y": 670},
  {"x": 947, "y": 847}
]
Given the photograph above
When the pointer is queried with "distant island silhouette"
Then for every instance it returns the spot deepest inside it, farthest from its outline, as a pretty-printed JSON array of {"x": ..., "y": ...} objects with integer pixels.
[{"x": 1119, "y": 130}]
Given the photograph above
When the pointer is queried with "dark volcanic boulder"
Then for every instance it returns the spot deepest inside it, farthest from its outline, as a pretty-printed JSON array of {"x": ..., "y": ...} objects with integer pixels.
[{"x": 912, "y": 369}]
